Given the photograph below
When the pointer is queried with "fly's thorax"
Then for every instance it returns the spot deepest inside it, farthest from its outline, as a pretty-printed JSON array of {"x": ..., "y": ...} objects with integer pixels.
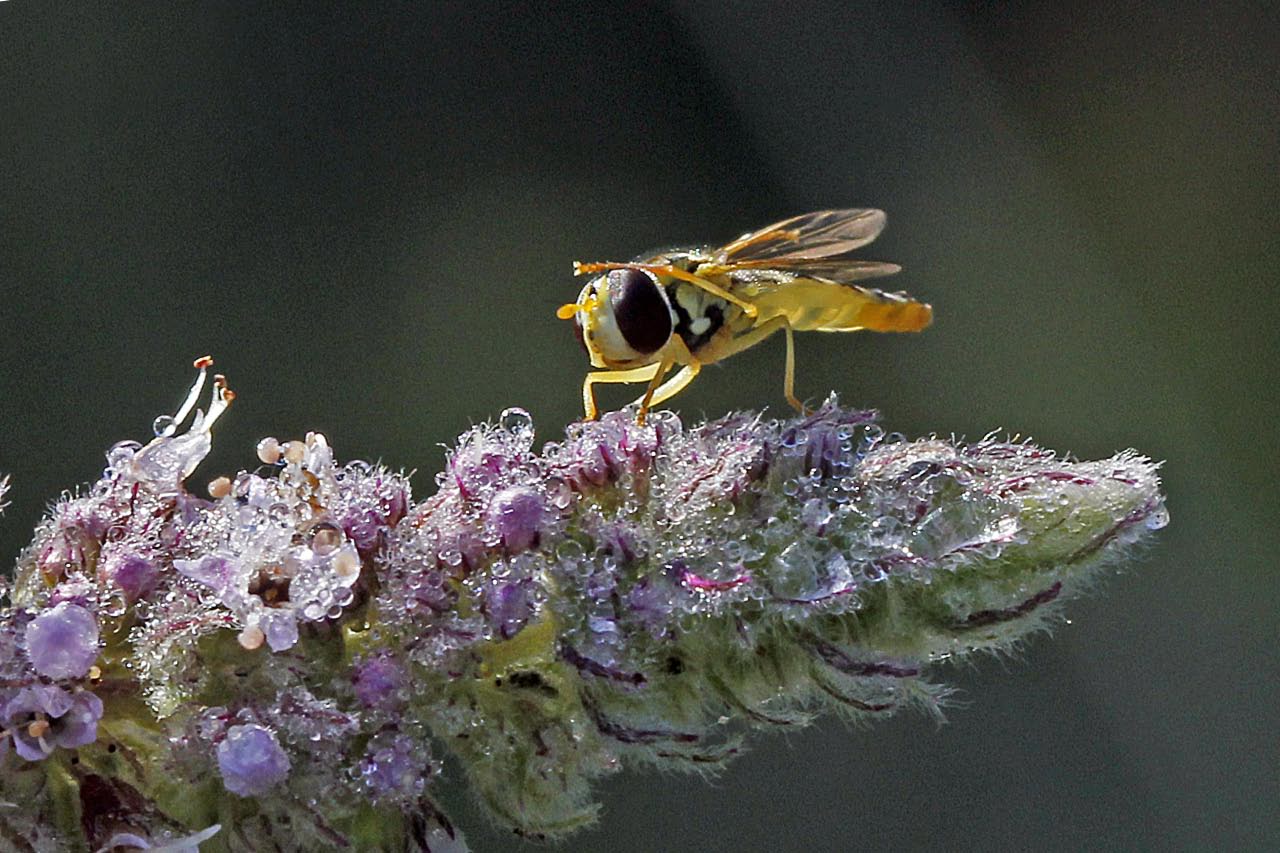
[
  {"x": 699, "y": 314},
  {"x": 624, "y": 318}
]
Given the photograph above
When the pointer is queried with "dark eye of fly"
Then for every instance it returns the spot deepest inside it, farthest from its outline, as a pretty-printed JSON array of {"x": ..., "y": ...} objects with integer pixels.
[
  {"x": 641, "y": 313},
  {"x": 577, "y": 332}
]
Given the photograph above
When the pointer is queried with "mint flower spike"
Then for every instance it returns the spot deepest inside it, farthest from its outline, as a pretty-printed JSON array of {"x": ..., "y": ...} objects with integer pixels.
[
  {"x": 745, "y": 570},
  {"x": 287, "y": 659}
]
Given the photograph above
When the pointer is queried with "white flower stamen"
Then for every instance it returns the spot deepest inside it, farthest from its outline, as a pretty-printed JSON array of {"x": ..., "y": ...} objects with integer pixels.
[{"x": 202, "y": 364}]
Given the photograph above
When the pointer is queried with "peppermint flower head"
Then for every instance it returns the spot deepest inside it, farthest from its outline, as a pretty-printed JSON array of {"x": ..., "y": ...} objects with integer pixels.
[
  {"x": 270, "y": 552},
  {"x": 625, "y": 594}
]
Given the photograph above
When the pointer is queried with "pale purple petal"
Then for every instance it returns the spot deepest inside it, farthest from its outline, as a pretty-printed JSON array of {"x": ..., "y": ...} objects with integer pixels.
[
  {"x": 52, "y": 700},
  {"x": 124, "y": 839},
  {"x": 217, "y": 573},
  {"x": 79, "y": 725},
  {"x": 185, "y": 844},
  {"x": 62, "y": 642},
  {"x": 32, "y": 749},
  {"x": 251, "y": 760},
  {"x": 280, "y": 628}
]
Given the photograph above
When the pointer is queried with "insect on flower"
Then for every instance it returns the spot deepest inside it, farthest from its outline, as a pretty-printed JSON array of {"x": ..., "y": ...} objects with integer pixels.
[{"x": 691, "y": 307}]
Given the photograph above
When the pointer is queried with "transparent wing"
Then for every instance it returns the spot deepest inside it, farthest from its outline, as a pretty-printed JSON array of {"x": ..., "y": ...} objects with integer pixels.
[
  {"x": 814, "y": 236},
  {"x": 838, "y": 270}
]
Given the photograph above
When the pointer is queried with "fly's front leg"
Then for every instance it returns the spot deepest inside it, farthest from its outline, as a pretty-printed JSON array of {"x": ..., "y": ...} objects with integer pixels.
[
  {"x": 662, "y": 370},
  {"x": 635, "y": 374},
  {"x": 675, "y": 384},
  {"x": 675, "y": 353}
]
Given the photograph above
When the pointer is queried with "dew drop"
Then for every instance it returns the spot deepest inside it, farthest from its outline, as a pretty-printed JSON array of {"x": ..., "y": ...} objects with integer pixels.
[
  {"x": 518, "y": 423},
  {"x": 121, "y": 453},
  {"x": 164, "y": 426},
  {"x": 115, "y": 606},
  {"x": 1158, "y": 519}
]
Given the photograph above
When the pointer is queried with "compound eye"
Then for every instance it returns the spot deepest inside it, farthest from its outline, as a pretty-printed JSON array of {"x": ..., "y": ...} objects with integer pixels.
[{"x": 641, "y": 313}]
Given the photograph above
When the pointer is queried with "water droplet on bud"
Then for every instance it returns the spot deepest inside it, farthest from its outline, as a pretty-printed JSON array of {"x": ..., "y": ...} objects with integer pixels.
[
  {"x": 164, "y": 426},
  {"x": 519, "y": 423}
]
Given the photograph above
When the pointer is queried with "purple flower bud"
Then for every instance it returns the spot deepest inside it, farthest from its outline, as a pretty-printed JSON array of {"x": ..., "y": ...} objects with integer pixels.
[
  {"x": 612, "y": 446},
  {"x": 376, "y": 681},
  {"x": 44, "y": 717},
  {"x": 63, "y": 642},
  {"x": 281, "y": 629},
  {"x": 251, "y": 760},
  {"x": 69, "y": 549},
  {"x": 395, "y": 768},
  {"x": 651, "y": 601},
  {"x": 370, "y": 507},
  {"x": 517, "y": 515},
  {"x": 509, "y": 608},
  {"x": 135, "y": 575}
]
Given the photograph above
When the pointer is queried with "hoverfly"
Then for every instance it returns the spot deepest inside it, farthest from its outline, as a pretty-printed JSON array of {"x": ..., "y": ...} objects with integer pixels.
[{"x": 691, "y": 307}]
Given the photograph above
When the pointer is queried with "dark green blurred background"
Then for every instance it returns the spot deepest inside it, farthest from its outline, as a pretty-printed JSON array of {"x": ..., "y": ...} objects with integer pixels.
[{"x": 366, "y": 212}]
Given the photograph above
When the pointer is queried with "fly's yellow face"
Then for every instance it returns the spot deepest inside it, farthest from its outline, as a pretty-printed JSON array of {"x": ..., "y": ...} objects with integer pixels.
[{"x": 622, "y": 318}]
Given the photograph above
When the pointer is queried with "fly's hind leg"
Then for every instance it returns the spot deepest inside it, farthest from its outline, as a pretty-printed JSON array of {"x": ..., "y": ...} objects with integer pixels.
[
  {"x": 789, "y": 380},
  {"x": 635, "y": 374}
]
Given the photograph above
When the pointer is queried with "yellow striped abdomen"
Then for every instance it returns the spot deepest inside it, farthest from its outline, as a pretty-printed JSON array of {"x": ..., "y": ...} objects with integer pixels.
[{"x": 821, "y": 306}]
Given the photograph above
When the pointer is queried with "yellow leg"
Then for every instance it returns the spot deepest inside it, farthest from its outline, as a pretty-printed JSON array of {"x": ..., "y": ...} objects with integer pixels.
[
  {"x": 663, "y": 368},
  {"x": 677, "y": 353},
  {"x": 674, "y": 385},
  {"x": 635, "y": 374},
  {"x": 675, "y": 272},
  {"x": 789, "y": 381}
]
